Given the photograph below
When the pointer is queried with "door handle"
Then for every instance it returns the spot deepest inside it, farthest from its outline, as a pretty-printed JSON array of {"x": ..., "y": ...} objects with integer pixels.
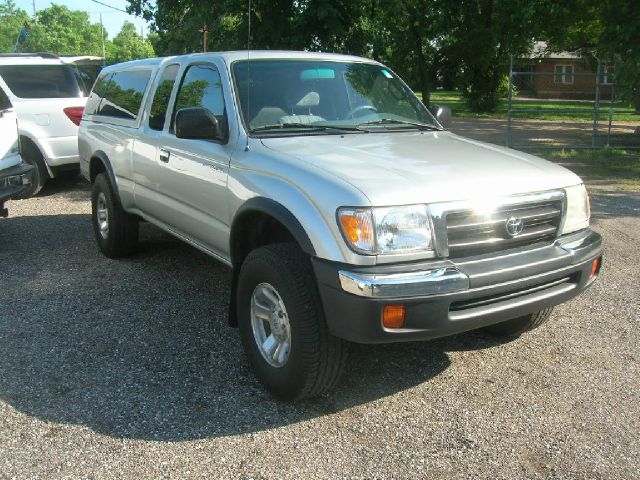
[{"x": 164, "y": 155}]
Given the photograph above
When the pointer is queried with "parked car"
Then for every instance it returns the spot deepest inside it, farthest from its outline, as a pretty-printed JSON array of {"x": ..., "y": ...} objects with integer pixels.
[
  {"x": 15, "y": 175},
  {"x": 344, "y": 209},
  {"x": 49, "y": 102}
]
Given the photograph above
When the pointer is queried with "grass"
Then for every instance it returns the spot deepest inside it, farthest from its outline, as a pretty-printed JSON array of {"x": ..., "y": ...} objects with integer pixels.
[
  {"x": 454, "y": 100},
  {"x": 600, "y": 167}
]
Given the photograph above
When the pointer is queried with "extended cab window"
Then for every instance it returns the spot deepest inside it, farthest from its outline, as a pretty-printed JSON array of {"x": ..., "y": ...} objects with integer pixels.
[
  {"x": 201, "y": 87},
  {"x": 123, "y": 95},
  {"x": 97, "y": 94},
  {"x": 161, "y": 97}
]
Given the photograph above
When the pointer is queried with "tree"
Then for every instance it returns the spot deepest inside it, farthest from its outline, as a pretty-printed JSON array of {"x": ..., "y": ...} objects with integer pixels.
[
  {"x": 128, "y": 45},
  {"x": 64, "y": 32},
  {"x": 11, "y": 21},
  {"x": 609, "y": 29}
]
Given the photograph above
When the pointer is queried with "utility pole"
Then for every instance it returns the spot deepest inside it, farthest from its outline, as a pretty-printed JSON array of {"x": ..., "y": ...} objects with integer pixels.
[
  {"x": 104, "y": 56},
  {"x": 205, "y": 40},
  {"x": 35, "y": 14}
]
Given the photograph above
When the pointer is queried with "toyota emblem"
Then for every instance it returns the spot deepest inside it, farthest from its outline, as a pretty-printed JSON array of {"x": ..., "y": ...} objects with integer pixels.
[{"x": 514, "y": 226}]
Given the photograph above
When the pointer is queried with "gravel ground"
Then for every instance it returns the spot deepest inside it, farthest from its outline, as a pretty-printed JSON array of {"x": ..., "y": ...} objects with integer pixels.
[{"x": 126, "y": 369}]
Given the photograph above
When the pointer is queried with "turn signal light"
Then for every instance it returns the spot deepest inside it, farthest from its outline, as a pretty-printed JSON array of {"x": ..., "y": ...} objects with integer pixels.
[
  {"x": 595, "y": 268},
  {"x": 393, "y": 316}
]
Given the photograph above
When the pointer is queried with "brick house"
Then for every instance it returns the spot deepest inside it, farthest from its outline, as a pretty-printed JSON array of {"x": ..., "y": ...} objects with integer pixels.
[{"x": 561, "y": 75}]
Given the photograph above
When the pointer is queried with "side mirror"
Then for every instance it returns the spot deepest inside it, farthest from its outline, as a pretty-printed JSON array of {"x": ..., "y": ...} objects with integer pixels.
[
  {"x": 198, "y": 123},
  {"x": 443, "y": 114}
]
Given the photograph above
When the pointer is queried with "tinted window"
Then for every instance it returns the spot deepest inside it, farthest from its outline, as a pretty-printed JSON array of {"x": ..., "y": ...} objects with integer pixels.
[
  {"x": 5, "y": 103},
  {"x": 41, "y": 81},
  {"x": 86, "y": 75},
  {"x": 97, "y": 94},
  {"x": 161, "y": 97},
  {"x": 202, "y": 87},
  {"x": 123, "y": 95}
]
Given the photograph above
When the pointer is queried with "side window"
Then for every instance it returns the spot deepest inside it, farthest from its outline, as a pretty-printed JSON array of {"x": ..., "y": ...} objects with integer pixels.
[
  {"x": 161, "y": 97},
  {"x": 124, "y": 93},
  {"x": 5, "y": 103},
  {"x": 97, "y": 94},
  {"x": 201, "y": 87}
]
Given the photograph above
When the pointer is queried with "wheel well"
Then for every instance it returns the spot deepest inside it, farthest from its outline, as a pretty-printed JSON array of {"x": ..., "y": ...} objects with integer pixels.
[
  {"x": 96, "y": 167},
  {"x": 256, "y": 229},
  {"x": 29, "y": 147},
  {"x": 252, "y": 230}
]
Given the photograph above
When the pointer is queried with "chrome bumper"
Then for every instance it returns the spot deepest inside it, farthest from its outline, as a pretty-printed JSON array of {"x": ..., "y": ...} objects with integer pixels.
[{"x": 455, "y": 277}]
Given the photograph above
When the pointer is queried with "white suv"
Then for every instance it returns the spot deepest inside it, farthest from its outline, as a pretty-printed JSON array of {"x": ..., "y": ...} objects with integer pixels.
[{"x": 49, "y": 101}]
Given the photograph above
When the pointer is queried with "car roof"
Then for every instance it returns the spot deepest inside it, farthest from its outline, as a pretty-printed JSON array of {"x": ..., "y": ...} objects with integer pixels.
[
  {"x": 232, "y": 56},
  {"x": 29, "y": 60}
]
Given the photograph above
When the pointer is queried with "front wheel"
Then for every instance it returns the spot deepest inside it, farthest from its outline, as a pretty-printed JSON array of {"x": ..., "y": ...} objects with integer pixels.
[
  {"x": 520, "y": 325},
  {"x": 282, "y": 325}
]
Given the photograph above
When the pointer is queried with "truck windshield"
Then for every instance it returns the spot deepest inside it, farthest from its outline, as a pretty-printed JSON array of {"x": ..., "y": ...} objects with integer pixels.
[{"x": 290, "y": 96}]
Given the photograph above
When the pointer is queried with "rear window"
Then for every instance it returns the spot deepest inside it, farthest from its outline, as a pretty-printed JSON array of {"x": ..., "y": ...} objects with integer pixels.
[
  {"x": 41, "y": 81},
  {"x": 123, "y": 94}
]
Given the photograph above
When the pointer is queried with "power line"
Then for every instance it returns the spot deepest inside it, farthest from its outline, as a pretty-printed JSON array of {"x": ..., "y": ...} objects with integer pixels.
[{"x": 114, "y": 8}]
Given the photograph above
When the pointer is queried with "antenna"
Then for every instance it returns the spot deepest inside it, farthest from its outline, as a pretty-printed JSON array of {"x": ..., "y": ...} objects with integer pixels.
[{"x": 246, "y": 147}]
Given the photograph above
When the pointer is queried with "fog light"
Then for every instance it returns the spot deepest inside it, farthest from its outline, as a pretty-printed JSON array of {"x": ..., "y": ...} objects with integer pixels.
[
  {"x": 595, "y": 268},
  {"x": 393, "y": 316}
]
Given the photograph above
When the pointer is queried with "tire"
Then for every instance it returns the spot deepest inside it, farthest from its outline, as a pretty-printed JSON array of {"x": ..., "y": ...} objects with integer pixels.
[
  {"x": 31, "y": 155},
  {"x": 315, "y": 358},
  {"x": 520, "y": 325},
  {"x": 120, "y": 236}
]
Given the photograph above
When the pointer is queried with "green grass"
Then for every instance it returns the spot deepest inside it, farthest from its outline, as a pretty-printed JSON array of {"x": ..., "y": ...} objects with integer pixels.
[
  {"x": 612, "y": 168},
  {"x": 454, "y": 101}
]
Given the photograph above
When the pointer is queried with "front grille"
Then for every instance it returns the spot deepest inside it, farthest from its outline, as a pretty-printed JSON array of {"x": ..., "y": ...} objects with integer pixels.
[{"x": 472, "y": 233}]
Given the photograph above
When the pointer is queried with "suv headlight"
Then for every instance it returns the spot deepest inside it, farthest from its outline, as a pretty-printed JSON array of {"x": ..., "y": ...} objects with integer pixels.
[
  {"x": 15, "y": 148},
  {"x": 578, "y": 210},
  {"x": 385, "y": 230}
]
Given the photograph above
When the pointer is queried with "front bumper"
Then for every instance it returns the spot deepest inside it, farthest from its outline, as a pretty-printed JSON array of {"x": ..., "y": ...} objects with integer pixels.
[
  {"x": 451, "y": 296},
  {"x": 13, "y": 181}
]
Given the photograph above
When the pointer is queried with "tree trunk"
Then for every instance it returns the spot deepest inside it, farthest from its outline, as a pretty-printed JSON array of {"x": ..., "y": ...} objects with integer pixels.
[{"x": 637, "y": 100}]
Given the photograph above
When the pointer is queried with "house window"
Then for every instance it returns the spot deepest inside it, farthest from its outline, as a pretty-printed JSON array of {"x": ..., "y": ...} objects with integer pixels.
[
  {"x": 563, "y": 74},
  {"x": 607, "y": 75}
]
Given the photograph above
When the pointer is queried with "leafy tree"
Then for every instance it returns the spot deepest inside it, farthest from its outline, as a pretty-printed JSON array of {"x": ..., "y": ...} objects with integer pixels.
[
  {"x": 128, "y": 45},
  {"x": 609, "y": 29},
  {"x": 64, "y": 32},
  {"x": 11, "y": 21}
]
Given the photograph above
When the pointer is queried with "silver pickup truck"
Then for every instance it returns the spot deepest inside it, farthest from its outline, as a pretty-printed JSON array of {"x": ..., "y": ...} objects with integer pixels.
[{"x": 345, "y": 210}]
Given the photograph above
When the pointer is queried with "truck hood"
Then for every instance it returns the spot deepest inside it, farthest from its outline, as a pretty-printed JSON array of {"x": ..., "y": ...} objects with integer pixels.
[{"x": 424, "y": 167}]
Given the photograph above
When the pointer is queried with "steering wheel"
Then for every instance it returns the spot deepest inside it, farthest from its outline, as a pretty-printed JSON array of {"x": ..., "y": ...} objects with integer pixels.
[{"x": 361, "y": 108}]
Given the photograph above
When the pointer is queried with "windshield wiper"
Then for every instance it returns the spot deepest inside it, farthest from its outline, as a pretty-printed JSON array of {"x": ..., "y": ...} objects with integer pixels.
[
  {"x": 394, "y": 121},
  {"x": 301, "y": 126}
]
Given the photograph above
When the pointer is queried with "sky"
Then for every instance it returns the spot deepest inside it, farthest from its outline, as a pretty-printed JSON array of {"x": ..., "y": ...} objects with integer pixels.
[{"x": 112, "y": 19}]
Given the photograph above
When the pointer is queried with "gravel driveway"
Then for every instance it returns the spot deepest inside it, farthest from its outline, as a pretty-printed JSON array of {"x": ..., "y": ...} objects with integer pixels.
[{"x": 126, "y": 369}]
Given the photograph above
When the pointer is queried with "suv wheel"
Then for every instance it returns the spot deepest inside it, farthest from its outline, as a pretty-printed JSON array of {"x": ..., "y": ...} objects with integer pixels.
[
  {"x": 282, "y": 326},
  {"x": 116, "y": 231},
  {"x": 520, "y": 325},
  {"x": 31, "y": 155}
]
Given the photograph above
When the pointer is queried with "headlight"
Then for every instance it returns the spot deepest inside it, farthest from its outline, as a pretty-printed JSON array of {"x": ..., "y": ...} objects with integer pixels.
[
  {"x": 383, "y": 230},
  {"x": 578, "y": 210},
  {"x": 15, "y": 148}
]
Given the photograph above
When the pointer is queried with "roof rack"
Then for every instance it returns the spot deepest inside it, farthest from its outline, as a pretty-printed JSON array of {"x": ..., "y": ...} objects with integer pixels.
[{"x": 35, "y": 54}]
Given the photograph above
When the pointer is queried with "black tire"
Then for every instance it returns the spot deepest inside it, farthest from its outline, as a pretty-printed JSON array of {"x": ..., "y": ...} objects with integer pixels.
[
  {"x": 316, "y": 358},
  {"x": 121, "y": 237},
  {"x": 32, "y": 155},
  {"x": 520, "y": 325}
]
